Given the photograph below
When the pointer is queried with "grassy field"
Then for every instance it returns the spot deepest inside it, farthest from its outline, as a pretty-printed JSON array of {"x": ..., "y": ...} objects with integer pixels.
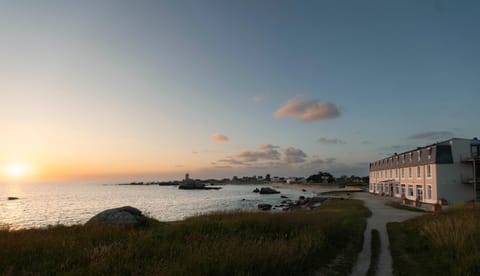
[
  {"x": 327, "y": 238},
  {"x": 444, "y": 243},
  {"x": 399, "y": 205}
]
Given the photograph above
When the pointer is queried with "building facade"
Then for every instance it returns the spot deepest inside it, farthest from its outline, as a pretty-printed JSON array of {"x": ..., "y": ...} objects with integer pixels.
[{"x": 446, "y": 171}]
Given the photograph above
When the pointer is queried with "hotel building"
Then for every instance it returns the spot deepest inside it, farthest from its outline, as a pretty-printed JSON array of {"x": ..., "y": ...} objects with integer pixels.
[{"x": 448, "y": 171}]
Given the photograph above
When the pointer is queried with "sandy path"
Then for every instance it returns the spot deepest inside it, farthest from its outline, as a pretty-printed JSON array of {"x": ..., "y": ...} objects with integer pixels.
[{"x": 381, "y": 214}]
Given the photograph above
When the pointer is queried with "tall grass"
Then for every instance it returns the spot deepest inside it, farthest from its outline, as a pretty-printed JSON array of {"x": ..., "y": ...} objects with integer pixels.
[
  {"x": 242, "y": 243},
  {"x": 447, "y": 243}
]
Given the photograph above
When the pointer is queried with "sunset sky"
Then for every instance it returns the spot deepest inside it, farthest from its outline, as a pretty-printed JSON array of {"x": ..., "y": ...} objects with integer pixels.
[{"x": 149, "y": 90}]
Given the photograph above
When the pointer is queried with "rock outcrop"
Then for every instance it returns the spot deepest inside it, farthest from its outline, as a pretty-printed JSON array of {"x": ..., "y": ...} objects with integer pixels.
[
  {"x": 264, "y": 207},
  {"x": 126, "y": 215},
  {"x": 192, "y": 185},
  {"x": 267, "y": 191}
]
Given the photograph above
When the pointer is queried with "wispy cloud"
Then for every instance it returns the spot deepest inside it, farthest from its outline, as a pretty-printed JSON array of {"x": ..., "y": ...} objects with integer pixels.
[
  {"x": 308, "y": 111},
  {"x": 217, "y": 137},
  {"x": 331, "y": 141},
  {"x": 432, "y": 135}
]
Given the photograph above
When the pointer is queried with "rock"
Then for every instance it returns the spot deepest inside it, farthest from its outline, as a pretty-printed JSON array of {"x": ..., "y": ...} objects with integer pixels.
[
  {"x": 126, "y": 215},
  {"x": 12, "y": 198},
  {"x": 264, "y": 207},
  {"x": 192, "y": 185},
  {"x": 303, "y": 190},
  {"x": 267, "y": 191},
  {"x": 256, "y": 190},
  {"x": 282, "y": 196}
]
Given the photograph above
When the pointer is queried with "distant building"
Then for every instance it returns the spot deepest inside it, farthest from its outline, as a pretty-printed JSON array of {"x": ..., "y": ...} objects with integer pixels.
[
  {"x": 296, "y": 180},
  {"x": 446, "y": 170}
]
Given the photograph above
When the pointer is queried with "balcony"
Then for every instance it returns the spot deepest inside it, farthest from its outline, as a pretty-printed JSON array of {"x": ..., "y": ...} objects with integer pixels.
[{"x": 473, "y": 157}]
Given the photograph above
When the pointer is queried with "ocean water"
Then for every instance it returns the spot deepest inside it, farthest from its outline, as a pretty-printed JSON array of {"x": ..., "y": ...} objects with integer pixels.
[{"x": 40, "y": 205}]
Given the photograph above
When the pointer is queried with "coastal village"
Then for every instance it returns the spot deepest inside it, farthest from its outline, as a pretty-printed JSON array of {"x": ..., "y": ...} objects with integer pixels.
[{"x": 240, "y": 138}]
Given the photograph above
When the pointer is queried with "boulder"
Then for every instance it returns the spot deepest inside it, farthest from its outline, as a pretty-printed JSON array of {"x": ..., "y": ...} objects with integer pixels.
[
  {"x": 282, "y": 196},
  {"x": 264, "y": 207},
  {"x": 256, "y": 190},
  {"x": 12, "y": 198},
  {"x": 267, "y": 190},
  {"x": 126, "y": 215}
]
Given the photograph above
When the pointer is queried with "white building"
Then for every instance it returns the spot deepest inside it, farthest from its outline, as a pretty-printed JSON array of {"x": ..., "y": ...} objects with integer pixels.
[{"x": 431, "y": 174}]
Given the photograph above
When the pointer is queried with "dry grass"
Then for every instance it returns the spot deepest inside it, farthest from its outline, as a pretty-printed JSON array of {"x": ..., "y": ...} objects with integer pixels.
[
  {"x": 242, "y": 243},
  {"x": 446, "y": 243}
]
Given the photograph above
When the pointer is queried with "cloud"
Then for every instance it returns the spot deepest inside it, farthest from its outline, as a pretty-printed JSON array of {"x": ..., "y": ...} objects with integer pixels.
[
  {"x": 267, "y": 147},
  {"x": 308, "y": 111},
  {"x": 253, "y": 156},
  {"x": 230, "y": 161},
  {"x": 267, "y": 155},
  {"x": 437, "y": 135},
  {"x": 293, "y": 155},
  {"x": 331, "y": 141},
  {"x": 217, "y": 137}
]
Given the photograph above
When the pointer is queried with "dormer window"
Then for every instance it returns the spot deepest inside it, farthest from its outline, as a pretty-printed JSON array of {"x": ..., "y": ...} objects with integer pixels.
[{"x": 419, "y": 155}]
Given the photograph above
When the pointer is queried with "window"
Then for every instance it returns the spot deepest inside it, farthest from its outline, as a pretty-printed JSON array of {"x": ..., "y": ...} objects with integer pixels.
[
  {"x": 403, "y": 172},
  {"x": 429, "y": 191},
  {"x": 390, "y": 173},
  {"x": 397, "y": 190},
  {"x": 429, "y": 172},
  {"x": 396, "y": 172},
  {"x": 419, "y": 155},
  {"x": 403, "y": 190},
  {"x": 409, "y": 172},
  {"x": 419, "y": 192},
  {"x": 418, "y": 172},
  {"x": 410, "y": 190}
]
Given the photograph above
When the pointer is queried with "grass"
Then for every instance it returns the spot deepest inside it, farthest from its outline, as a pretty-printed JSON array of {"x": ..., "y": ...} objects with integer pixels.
[
  {"x": 326, "y": 239},
  {"x": 375, "y": 248},
  {"x": 445, "y": 243},
  {"x": 398, "y": 205}
]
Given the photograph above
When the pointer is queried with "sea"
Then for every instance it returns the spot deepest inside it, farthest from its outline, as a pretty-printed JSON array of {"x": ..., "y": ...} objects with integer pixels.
[{"x": 45, "y": 204}]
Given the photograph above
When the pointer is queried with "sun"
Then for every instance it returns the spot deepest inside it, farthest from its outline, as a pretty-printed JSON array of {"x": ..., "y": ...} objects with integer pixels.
[{"x": 16, "y": 170}]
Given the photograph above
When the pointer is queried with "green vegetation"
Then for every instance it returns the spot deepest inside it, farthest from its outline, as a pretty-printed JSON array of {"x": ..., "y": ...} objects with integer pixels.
[
  {"x": 444, "y": 243},
  {"x": 398, "y": 205},
  {"x": 326, "y": 239},
  {"x": 375, "y": 247}
]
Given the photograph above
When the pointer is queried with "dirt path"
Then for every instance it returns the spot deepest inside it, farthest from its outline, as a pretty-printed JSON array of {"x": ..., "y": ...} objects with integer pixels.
[{"x": 381, "y": 214}]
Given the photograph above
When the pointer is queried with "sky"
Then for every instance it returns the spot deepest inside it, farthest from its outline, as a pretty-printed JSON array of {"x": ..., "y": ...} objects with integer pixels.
[{"x": 149, "y": 90}]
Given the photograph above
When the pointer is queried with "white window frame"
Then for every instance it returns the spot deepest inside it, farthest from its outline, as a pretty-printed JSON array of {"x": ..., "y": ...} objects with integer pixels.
[
  {"x": 410, "y": 191},
  {"x": 419, "y": 172},
  {"x": 409, "y": 172},
  {"x": 429, "y": 192},
  {"x": 429, "y": 171}
]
